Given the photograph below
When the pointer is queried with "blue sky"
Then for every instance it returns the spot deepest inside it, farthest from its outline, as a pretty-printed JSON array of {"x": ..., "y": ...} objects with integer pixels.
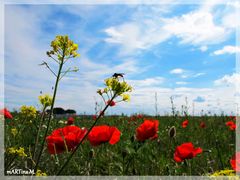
[{"x": 179, "y": 50}]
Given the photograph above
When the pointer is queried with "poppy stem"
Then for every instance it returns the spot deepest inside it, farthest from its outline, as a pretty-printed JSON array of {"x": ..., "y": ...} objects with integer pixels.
[
  {"x": 217, "y": 147},
  {"x": 190, "y": 168},
  {"x": 74, "y": 151}
]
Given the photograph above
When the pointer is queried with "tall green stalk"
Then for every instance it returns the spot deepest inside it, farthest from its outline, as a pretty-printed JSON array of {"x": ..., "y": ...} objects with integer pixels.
[{"x": 51, "y": 110}]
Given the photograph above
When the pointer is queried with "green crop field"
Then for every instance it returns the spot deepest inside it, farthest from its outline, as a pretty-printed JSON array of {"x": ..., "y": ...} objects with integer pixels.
[{"x": 129, "y": 156}]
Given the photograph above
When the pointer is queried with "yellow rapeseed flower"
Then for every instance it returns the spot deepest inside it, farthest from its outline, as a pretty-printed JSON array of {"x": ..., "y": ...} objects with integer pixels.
[
  {"x": 14, "y": 131},
  {"x": 45, "y": 100},
  {"x": 11, "y": 150},
  {"x": 225, "y": 172},
  {"x": 230, "y": 173},
  {"x": 109, "y": 82},
  {"x": 29, "y": 111},
  {"x": 126, "y": 97},
  {"x": 63, "y": 44},
  {"x": 40, "y": 173},
  {"x": 21, "y": 152},
  {"x": 117, "y": 86}
]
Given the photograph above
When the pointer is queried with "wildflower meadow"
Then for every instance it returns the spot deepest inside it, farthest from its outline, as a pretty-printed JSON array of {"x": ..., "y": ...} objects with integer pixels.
[{"x": 114, "y": 145}]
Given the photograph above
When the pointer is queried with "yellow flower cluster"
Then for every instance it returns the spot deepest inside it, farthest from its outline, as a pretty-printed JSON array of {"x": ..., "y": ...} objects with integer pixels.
[
  {"x": 11, "y": 150},
  {"x": 14, "y": 131},
  {"x": 225, "y": 172},
  {"x": 29, "y": 111},
  {"x": 20, "y": 152},
  {"x": 126, "y": 97},
  {"x": 63, "y": 45},
  {"x": 117, "y": 86},
  {"x": 40, "y": 173},
  {"x": 45, "y": 100}
]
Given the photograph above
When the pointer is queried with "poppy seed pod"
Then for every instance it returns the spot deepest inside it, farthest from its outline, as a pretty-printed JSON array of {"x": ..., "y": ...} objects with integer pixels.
[{"x": 172, "y": 132}]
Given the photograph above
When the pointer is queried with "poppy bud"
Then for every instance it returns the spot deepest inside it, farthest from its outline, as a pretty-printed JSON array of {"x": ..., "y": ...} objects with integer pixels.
[
  {"x": 70, "y": 121},
  {"x": 94, "y": 117},
  {"x": 111, "y": 103},
  {"x": 132, "y": 139},
  {"x": 91, "y": 154},
  {"x": 124, "y": 153},
  {"x": 172, "y": 132}
]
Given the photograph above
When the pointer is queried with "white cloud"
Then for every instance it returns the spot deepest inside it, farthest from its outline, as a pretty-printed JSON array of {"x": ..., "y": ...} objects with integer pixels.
[
  {"x": 230, "y": 20},
  {"x": 196, "y": 28},
  {"x": 143, "y": 31},
  {"x": 181, "y": 82},
  {"x": 186, "y": 73},
  {"x": 203, "y": 48},
  {"x": 198, "y": 74},
  {"x": 202, "y": 27},
  {"x": 177, "y": 71},
  {"x": 228, "y": 80},
  {"x": 184, "y": 76},
  {"x": 118, "y": 36},
  {"x": 227, "y": 50},
  {"x": 156, "y": 81},
  {"x": 217, "y": 99},
  {"x": 135, "y": 36}
]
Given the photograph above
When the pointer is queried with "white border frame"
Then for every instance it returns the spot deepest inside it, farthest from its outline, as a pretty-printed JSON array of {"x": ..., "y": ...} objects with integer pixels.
[{"x": 99, "y": 2}]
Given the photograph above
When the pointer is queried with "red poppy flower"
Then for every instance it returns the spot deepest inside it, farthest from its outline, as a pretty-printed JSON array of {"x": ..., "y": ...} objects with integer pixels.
[
  {"x": 94, "y": 117},
  {"x": 185, "y": 123},
  {"x": 147, "y": 130},
  {"x": 233, "y": 117},
  {"x": 6, "y": 113},
  {"x": 132, "y": 118},
  {"x": 140, "y": 116},
  {"x": 202, "y": 125},
  {"x": 231, "y": 125},
  {"x": 186, "y": 151},
  {"x": 70, "y": 121},
  {"x": 61, "y": 138},
  {"x": 235, "y": 162},
  {"x": 111, "y": 103},
  {"x": 102, "y": 134}
]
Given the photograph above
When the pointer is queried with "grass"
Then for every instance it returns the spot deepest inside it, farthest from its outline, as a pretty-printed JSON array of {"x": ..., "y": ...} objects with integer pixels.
[{"x": 128, "y": 156}]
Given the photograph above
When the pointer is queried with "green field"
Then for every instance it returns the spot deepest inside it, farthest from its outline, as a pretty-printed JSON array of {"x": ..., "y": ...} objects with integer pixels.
[{"x": 129, "y": 156}]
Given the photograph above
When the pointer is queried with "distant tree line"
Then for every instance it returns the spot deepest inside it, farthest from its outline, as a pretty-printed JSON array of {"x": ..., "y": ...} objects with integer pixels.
[{"x": 59, "y": 110}]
